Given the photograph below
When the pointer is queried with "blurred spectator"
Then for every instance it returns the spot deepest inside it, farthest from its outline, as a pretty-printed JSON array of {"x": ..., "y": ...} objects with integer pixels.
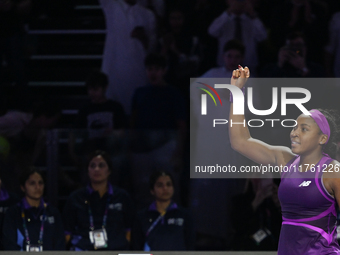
[
  {"x": 307, "y": 16},
  {"x": 103, "y": 119},
  {"x": 239, "y": 22},
  {"x": 292, "y": 60},
  {"x": 233, "y": 54},
  {"x": 130, "y": 35},
  {"x": 157, "y": 6},
  {"x": 159, "y": 127},
  {"x": 213, "y": 233},
  {"x": 101, "y": 115},
  {"x": 12, "y": 123},
  {"x": 211, "y": 205},
  {"x": 26, "y": 131},
  {"x": 100, "y": 209},
  {"x": 12, "y": 15},
  {"x": 6, "y": 200},
  {"x": 33, "y": 139},
  {"x": 264, "y": 9},
  {"x": 163, "y": 226},
  {"x": 181, "y": 49},
  {"x": 333, "y": 6},
  {"x": 32, "y": 224},
  {"x": 257, "y": 216},
  {"x": 186, "y": 6},
  {"x": 203, "y": 14},
  {"x": 157, "y": 105},
  {"x": 333, "y": 48}
]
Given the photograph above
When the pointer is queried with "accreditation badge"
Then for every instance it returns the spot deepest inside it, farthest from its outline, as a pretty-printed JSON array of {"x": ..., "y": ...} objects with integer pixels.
[
  {"x": 260, "y": 235},
  {"x": 98, "y": 238},
  {"x": 34, "y": 248},
  {"x": 147, "y": 247}
]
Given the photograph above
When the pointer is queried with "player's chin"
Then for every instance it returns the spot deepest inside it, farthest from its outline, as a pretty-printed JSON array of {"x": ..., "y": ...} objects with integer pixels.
[{"x": 295, "y": 150}]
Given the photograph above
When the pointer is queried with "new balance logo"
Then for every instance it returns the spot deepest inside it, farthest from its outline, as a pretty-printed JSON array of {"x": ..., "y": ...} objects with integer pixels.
[{"x": 305, "y": 183}]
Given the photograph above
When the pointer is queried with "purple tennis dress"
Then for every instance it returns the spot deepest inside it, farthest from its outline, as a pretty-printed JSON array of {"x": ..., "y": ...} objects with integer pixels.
[{"x": 308, "y": 212}]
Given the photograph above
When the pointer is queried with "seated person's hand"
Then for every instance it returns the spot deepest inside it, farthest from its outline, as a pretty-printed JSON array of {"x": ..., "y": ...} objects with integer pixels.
[
  {"x": 297, "y": 61},
  {"x": 283, "y": 56},
  {"x": 291, "y": 56}
]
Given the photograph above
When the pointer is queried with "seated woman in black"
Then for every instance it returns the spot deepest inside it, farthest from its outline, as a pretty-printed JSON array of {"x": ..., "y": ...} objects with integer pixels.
[
  {"x": 163, "y": 226},
  {"x": 32, "y": 224},
  {"x": 7, "y": 199},
  {"x": 98, "y": 216},
  {"x": 256, "y": 216}
]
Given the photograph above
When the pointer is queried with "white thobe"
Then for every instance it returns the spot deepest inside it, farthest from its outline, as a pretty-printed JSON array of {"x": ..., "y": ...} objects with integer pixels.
[
  {"x": 123, "y": 58},
  {"x": 253, "y": 31}
]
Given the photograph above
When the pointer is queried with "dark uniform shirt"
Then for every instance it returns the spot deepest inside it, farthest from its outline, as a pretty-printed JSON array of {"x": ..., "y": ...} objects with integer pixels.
[
  {"x": 249, "y": 223},
  {"x": 174, "y": 232},
  {"x": 6, "y": 200},
  {"x": 13, "y": 230},
  {"x": 77, "y": 219},
  {"x": 97, "y": 117}
]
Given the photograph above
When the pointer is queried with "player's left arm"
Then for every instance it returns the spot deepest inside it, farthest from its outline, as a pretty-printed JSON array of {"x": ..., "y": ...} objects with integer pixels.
[{"x": 331, "y": 179}]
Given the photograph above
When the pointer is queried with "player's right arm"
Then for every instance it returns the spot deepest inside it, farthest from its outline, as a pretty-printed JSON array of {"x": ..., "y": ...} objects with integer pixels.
[{"x": 240, "y": 138}]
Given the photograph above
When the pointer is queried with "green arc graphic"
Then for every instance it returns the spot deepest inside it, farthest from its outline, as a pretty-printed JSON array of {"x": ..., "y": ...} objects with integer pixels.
[{"x": 209, "y": 95}]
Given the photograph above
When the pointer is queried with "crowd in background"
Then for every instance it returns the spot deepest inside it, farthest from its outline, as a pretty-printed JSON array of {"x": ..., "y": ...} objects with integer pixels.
[{"x": 139, "y": 104}]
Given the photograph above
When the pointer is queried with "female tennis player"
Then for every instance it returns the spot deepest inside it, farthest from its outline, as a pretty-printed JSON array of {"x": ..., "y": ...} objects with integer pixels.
[{"x": 310, "y": 190}]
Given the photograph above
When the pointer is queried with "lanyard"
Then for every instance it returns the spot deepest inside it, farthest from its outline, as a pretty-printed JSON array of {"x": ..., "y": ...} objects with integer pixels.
[
  {"x": 105, "y": 213},
  {"x": 157, "y": 220},
  {"x": 41, "y": 234},
  {"x": 155, "y": 223}
]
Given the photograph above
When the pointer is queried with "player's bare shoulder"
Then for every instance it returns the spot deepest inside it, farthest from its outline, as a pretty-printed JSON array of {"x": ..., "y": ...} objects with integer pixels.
[
  {"x": 331, "y": 176},
  {"x": 332, "y": 170}
]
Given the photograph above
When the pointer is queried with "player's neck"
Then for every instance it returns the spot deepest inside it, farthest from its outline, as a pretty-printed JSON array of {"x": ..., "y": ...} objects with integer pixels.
[{"x": 307, "y": 160}]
